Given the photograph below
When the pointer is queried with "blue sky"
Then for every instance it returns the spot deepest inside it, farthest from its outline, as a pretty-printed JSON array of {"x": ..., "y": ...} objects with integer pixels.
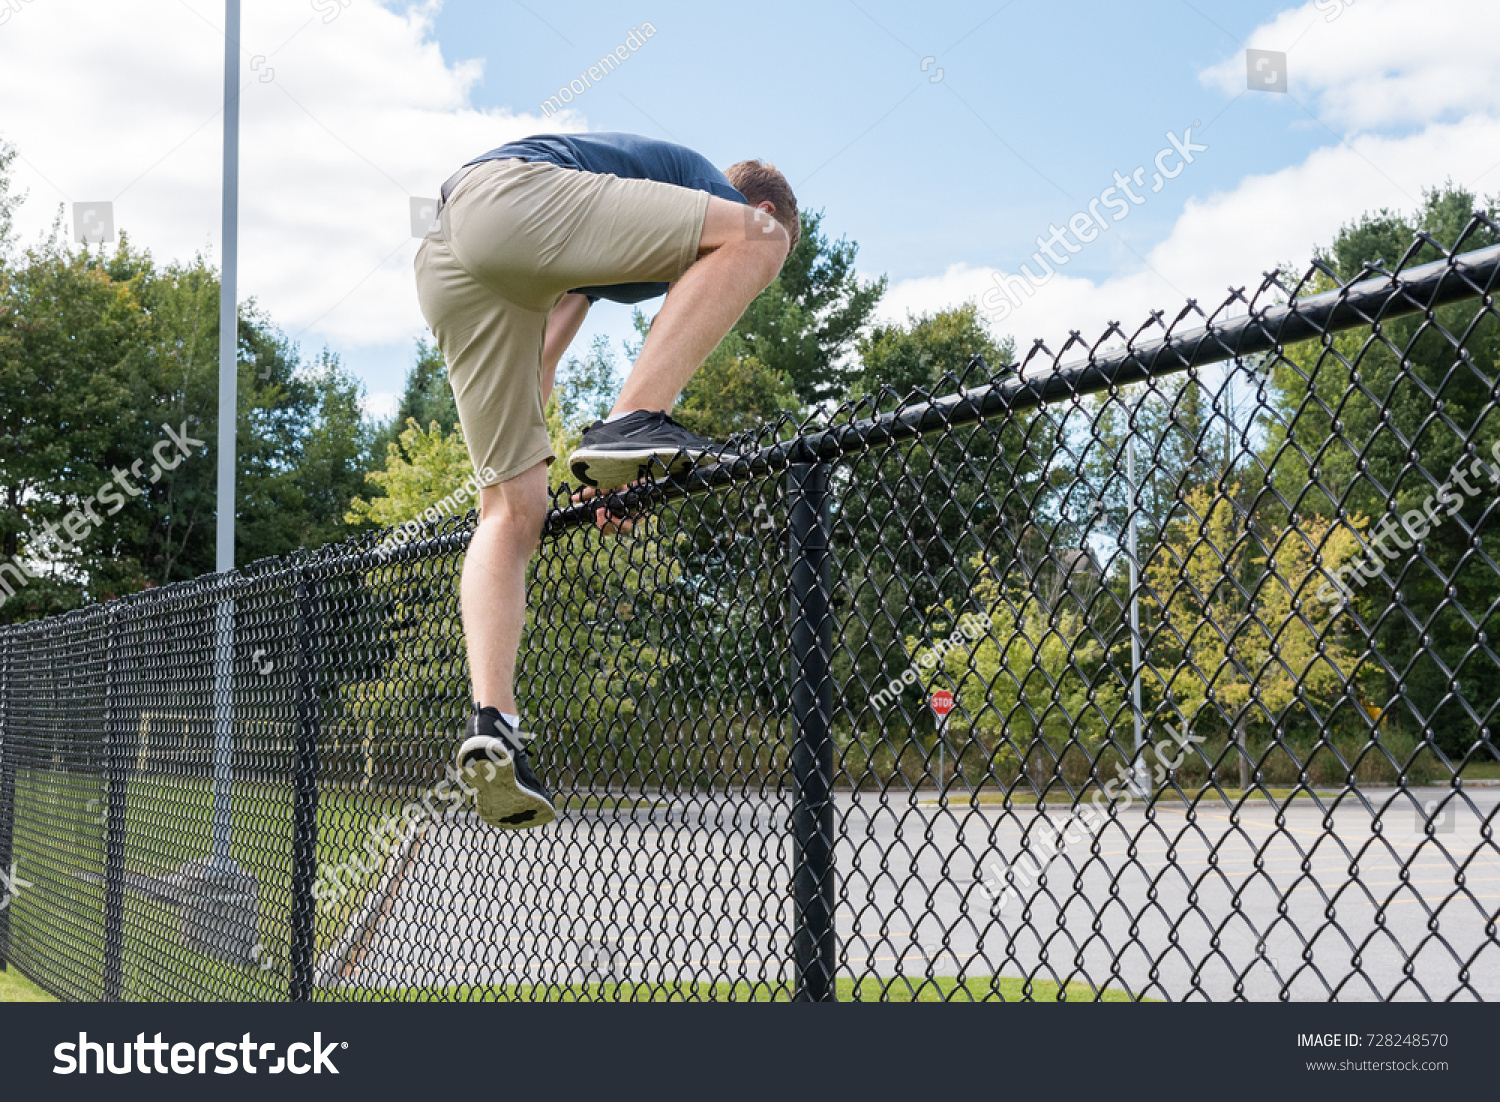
[
  {"x": 1025, "y": 108},
  {"x": 1037, "y": 102},
  {"x": 944, "y": 139}
]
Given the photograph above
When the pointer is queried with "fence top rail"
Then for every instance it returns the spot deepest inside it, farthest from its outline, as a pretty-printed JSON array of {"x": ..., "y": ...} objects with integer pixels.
[
  {"x": 1273, "y": 316},
  {"x": 1454, "y": 278}
]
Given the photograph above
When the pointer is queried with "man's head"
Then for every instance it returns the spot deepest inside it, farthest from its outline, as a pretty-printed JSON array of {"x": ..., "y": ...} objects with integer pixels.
[{"x": 761, "y": 183}]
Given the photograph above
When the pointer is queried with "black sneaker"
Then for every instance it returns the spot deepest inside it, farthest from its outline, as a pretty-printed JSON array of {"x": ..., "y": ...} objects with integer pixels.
[
  {"x": 643, "y": 444},
  {"x": 493, "y": 762}
]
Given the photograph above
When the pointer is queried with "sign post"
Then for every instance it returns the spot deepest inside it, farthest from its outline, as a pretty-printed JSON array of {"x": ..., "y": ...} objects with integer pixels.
[{"x": 942, "y": 703}]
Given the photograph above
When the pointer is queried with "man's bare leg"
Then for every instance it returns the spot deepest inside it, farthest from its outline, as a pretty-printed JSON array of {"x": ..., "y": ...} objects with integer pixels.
[
  {"x": 493, "y": 590},
  {"x": 493, "y": 759},
  {"x": 733, "y": 267}
]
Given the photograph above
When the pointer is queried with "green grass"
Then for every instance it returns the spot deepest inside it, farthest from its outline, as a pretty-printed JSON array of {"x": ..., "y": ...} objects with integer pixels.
[
  {"x": 16, "y": 988},
  {"x": 868, "y": 989},
  {"x": 1481, "y": 771},
  {"x": 59, "y": 845}
]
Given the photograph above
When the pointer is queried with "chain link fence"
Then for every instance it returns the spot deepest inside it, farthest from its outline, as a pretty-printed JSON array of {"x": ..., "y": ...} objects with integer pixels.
[{"x": 1215, "y": 600}]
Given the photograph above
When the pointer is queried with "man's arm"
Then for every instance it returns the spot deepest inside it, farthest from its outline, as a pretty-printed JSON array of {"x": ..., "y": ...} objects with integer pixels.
[{"x": 562, "y": 326}]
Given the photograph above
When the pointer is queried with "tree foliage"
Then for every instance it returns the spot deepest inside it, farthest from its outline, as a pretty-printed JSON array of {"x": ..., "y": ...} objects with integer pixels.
[{"x": 103, "y": 350}]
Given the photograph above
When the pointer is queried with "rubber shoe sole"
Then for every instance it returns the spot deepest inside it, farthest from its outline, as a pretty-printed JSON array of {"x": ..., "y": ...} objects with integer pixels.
[
  {"x": 503, "y": 800},
  {"x": 615, "y": 467}
]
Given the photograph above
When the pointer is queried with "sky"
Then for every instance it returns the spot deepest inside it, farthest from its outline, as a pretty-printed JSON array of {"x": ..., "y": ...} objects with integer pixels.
[{"x": 943, "y": 139}]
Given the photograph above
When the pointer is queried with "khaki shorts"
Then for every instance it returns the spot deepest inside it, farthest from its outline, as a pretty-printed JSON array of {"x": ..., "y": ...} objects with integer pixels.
[{"x": 515, "y": 237}]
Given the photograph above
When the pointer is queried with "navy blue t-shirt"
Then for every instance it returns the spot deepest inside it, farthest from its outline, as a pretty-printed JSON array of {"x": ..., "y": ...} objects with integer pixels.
[{"x": 631, "y": 157}]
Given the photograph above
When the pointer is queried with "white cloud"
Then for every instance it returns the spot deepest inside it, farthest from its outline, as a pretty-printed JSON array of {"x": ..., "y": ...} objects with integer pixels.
[
  {"x": 343, "y": 121},
  {"x": 1229, "y": 238},
  {"x": 381, "y": 404},
  {"x": 1379, "y": 63}
]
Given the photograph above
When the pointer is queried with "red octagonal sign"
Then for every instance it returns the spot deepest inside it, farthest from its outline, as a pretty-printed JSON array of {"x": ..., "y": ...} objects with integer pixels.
[{"x": 942, "y": 702}]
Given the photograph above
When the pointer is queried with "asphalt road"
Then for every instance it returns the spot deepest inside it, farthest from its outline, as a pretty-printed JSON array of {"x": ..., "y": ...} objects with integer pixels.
[{"x": 1258, "y": 904}]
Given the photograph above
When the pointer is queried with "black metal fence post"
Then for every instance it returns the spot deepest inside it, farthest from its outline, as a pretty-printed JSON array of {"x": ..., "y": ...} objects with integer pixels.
[
  {"x": 304, "y": 917},
  {"x": 8, "y": 752},
  {"x": 814, "y": 941},
  {"x": 117, "y": 776}
]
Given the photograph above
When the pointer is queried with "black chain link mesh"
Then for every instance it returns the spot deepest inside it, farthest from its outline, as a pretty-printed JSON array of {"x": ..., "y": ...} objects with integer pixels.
[{"x": 235, "y": 788}]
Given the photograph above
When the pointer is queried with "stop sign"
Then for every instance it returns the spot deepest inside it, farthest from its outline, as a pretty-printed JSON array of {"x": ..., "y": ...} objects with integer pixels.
[{"x": 942, "y": 702}]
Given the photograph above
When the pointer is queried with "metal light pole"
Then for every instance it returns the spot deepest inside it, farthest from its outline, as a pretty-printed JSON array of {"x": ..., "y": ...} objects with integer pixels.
[
  {"x": 223, "y": 790},
  {"x": 217, "y": 901}
]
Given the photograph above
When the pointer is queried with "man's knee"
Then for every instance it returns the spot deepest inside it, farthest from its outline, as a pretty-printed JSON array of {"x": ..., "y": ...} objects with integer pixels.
[
  {"x": 755, "y": 236},
  {"x": 768, "y": 253},
  {"x": 517, "y": 507},
  {"x": 517, "y": 523}
]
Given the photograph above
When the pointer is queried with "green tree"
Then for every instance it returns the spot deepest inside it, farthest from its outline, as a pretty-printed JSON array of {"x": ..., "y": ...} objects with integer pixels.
[
  {"x": 803, "y": 327},
  {"x": 8, "y": 201},
  {"x": 425, "y": 398},
  {"x": 1241, "y": 634},
  {"x": 422, "y": 467},
  {"x": 71, "y": 344},
  {"x": 1371, "y": 425},
  {"x": 1035, "y": 691},
  {"x": 911, "y": 520},
  {"x": 335, "y": 451},
  {"x": 733, "y": 392},
  {"x": 101, "y": 353}
]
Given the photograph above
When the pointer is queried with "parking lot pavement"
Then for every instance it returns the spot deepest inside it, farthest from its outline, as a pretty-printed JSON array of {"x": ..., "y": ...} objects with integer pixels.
[{"x": 1214, "y": 903}]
